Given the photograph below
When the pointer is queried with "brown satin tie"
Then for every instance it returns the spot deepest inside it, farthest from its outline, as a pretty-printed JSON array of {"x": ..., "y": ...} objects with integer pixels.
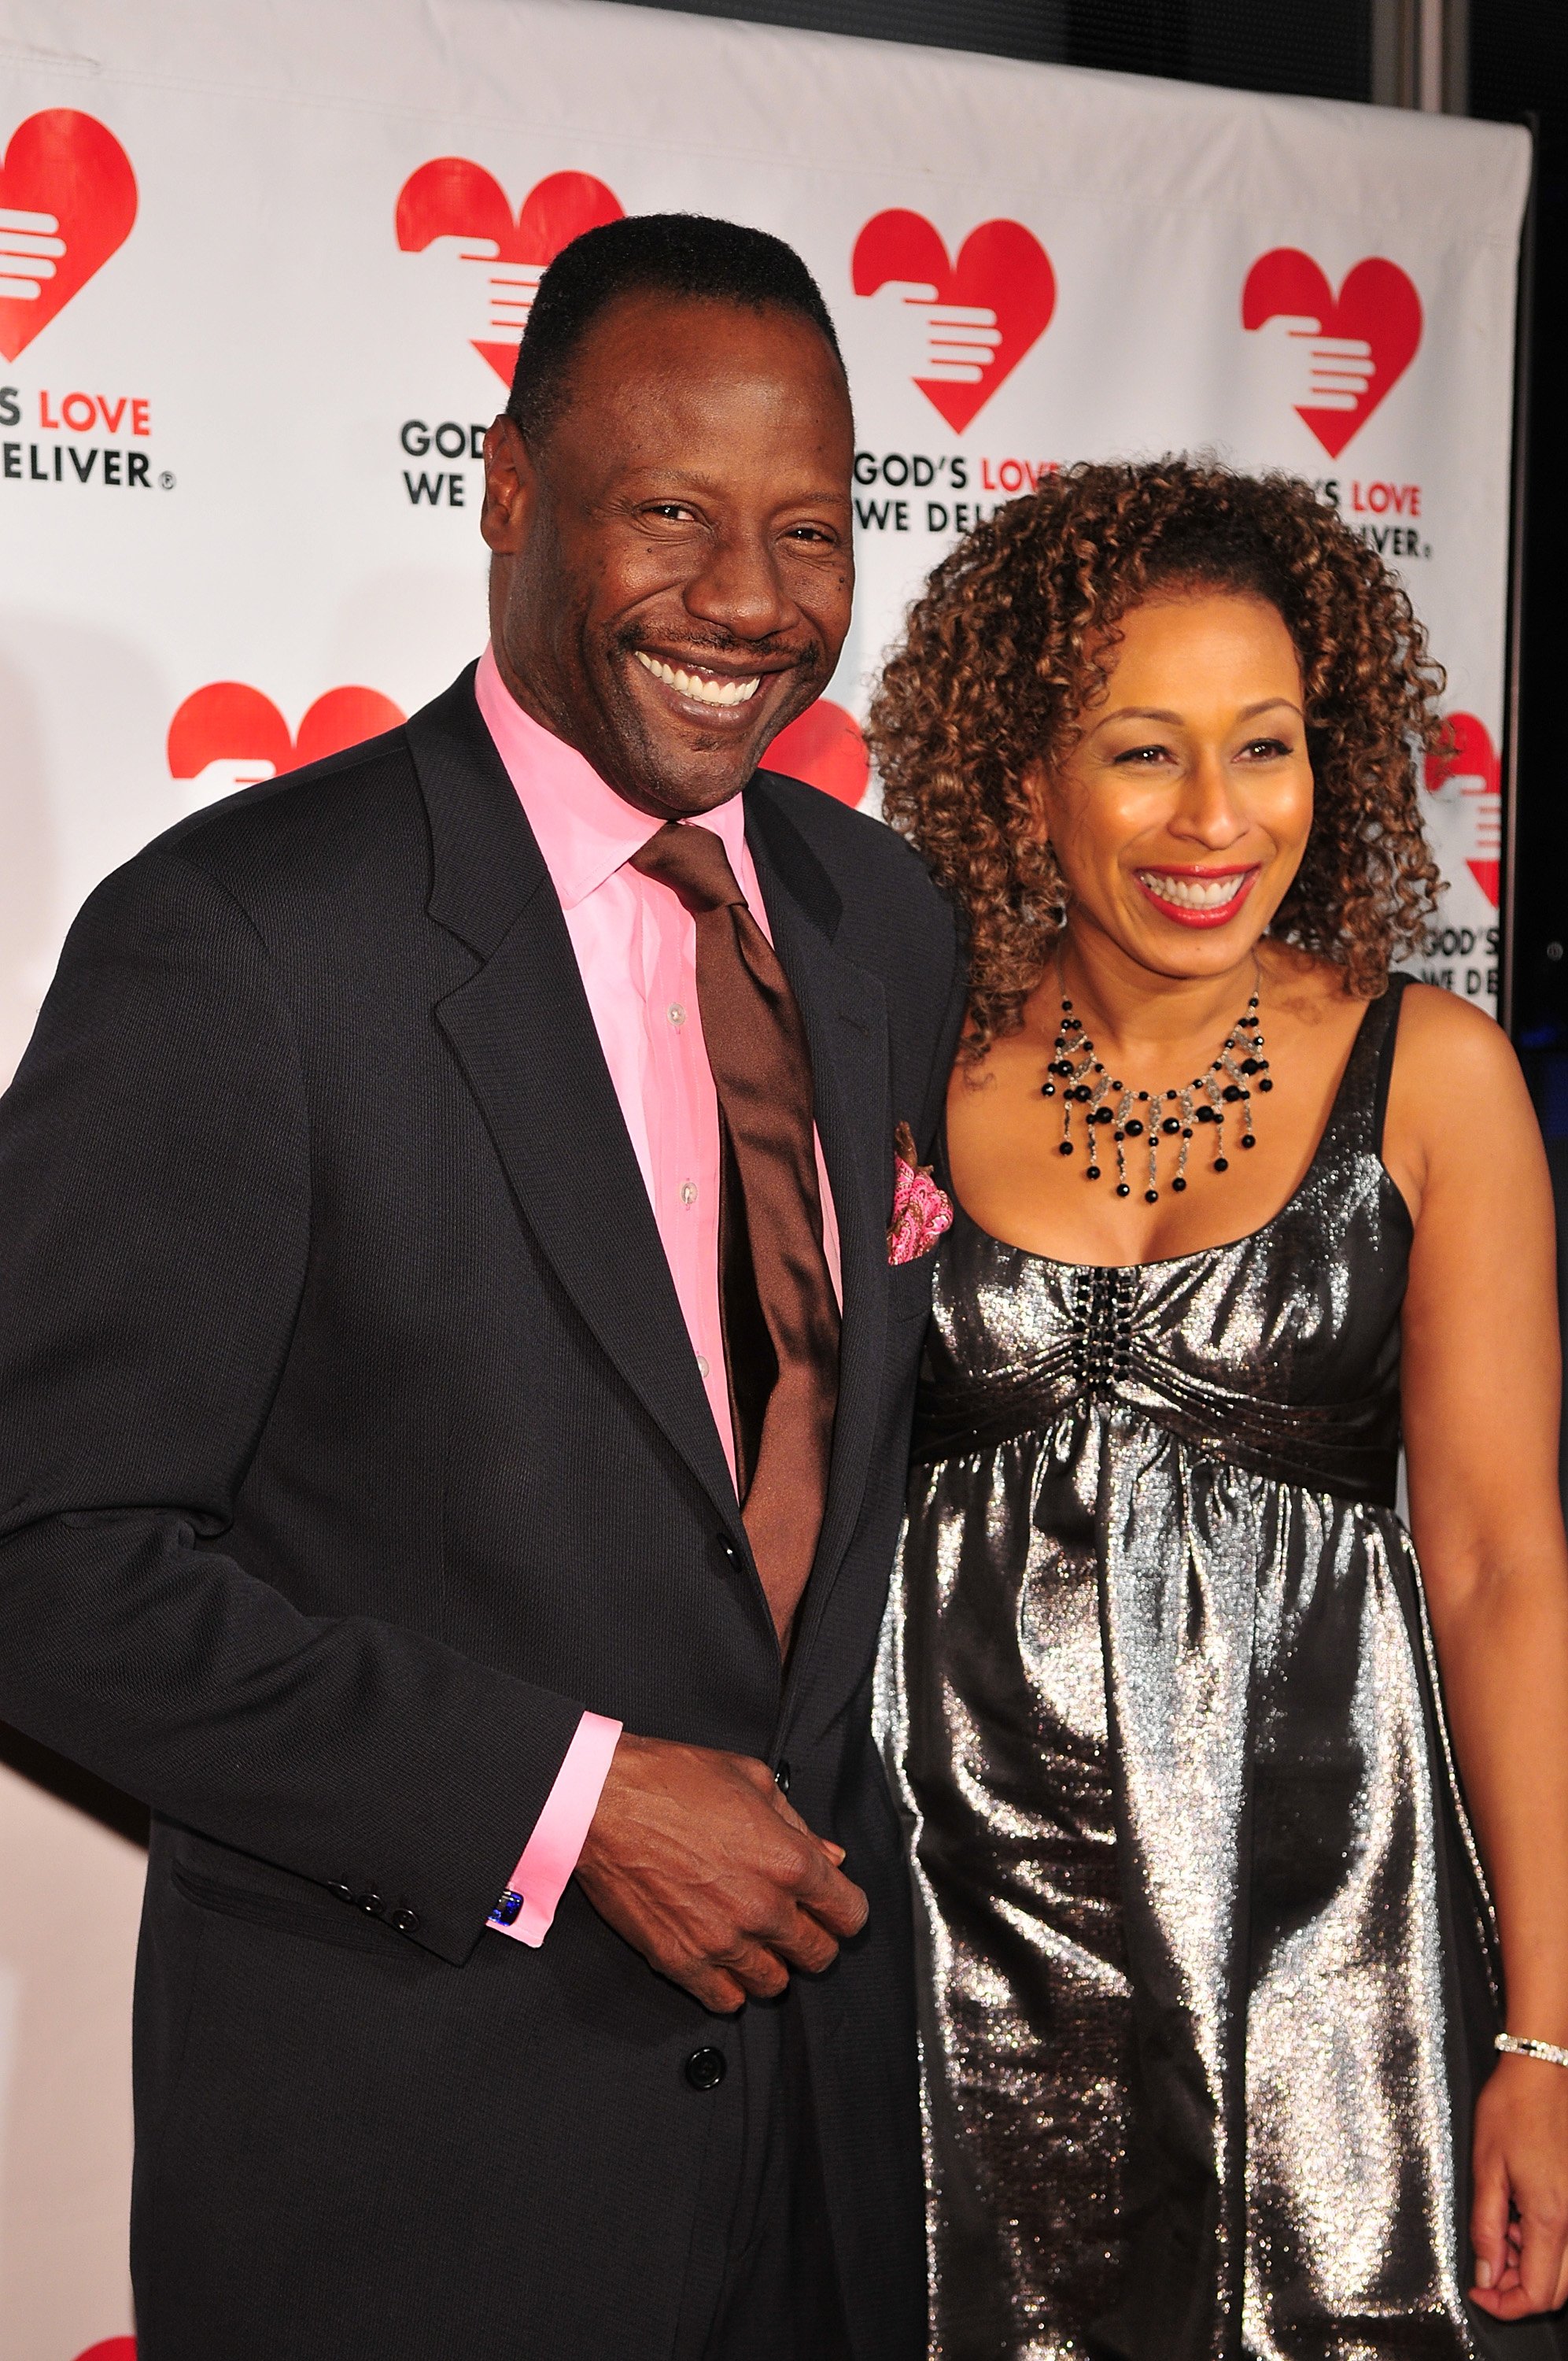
[{"x": 780, "y": 1315}]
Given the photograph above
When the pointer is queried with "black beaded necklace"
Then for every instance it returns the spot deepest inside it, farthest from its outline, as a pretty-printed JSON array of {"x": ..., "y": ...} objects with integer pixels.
[{"x": 1229, "y": 1084}]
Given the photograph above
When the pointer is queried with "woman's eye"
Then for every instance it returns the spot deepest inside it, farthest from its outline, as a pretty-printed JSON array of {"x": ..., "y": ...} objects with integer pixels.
[
  {"x": 1145, "y": 756},
  {"x": 1269, "y": 748}
]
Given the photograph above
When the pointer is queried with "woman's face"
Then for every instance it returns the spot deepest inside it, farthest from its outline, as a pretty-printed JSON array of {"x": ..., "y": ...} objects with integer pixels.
[{"x": 1180, "y": 817}]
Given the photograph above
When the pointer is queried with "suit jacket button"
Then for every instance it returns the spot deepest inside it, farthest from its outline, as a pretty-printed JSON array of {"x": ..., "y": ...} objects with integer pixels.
[
  {"x": 781, "y": 1777},
  {"x": 370, "y": 1904},
  {"x": 706, "y": 2069},
  {"x": 405, "y": 1921},
  {"x": 728, "y": 1546},
  {"x": 343, "y": 1893}
]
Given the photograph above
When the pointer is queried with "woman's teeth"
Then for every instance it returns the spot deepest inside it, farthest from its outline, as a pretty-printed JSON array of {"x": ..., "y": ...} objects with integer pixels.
[
  {"x": 706, "y": 692},
  {"x": 1194, "y": 892}
]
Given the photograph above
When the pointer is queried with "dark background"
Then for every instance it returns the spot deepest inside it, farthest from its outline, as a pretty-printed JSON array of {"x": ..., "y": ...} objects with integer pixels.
[{"x": 1321, "y": 48}]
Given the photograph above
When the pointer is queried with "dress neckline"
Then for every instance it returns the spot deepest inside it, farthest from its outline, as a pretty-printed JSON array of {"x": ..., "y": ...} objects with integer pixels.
[{"x": 1220, "y": 1246}]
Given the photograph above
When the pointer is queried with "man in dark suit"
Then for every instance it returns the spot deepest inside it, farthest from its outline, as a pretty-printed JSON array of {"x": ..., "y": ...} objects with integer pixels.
[{"x": 454, "y": 1405}]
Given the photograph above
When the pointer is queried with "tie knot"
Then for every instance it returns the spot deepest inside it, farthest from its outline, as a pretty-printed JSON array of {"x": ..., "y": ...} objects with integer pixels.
[{"x": 692, "y": 862}]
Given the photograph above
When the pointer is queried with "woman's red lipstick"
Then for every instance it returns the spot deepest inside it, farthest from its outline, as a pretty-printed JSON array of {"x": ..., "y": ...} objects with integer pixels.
[{"x": 1199, "y": 913}]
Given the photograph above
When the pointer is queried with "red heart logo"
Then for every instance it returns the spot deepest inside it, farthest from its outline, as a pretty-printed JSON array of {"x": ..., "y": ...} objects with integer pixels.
[
  {"x": 824, "y": 747},
  {"x": 68, "y": 197},
  {"x": 451, "y": 197},
  {"x": 1378, "y": 304},
  {"x": 1467, "y": 753},
  {"x": 228, "y": 722},
  {"x": 1002, "y": 267},
  {"x": 113, "y": 2349}
]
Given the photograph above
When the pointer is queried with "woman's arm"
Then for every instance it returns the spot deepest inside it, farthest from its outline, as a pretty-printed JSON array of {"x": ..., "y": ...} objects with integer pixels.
[{"x": 1482, "y": 1379}]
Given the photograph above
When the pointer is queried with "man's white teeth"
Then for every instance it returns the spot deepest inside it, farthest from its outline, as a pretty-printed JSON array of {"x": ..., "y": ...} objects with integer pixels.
[
  {"x": 706, "y": 692},
  {"x": 1192, "y": 893}
]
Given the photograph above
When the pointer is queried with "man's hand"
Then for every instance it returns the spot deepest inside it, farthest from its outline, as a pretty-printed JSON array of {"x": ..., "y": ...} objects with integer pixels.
[{"x": 696, "y": 1859}]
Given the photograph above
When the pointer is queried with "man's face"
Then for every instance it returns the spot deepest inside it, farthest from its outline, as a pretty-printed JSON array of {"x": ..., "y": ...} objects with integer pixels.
[{"x": 673, "y": 566}]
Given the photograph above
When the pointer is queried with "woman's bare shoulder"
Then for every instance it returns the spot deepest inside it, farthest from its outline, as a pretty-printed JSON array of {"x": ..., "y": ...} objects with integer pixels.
[
  {"x": 1448, "y": 1045},
  {"x": 1460, "y": 1118}
]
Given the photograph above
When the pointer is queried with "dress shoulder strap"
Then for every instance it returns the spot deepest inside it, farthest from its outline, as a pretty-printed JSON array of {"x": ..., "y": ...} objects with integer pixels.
[
  {"x": 1362, "y": 1102},
  {"x": 1388, "y": 1007}
]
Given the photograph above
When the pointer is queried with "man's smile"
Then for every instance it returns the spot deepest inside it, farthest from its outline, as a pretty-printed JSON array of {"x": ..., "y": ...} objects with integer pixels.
[
  {"x": 716, "y": 695},
  {"x": 701, "y": 683}
]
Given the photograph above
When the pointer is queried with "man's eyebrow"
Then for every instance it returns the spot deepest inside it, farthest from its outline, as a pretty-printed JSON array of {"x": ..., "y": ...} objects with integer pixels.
[{"x": 654, "y": 482}]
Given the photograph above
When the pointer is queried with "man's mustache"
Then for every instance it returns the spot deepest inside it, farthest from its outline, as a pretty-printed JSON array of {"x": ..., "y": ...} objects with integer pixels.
[{"x": 773, "y": 653}]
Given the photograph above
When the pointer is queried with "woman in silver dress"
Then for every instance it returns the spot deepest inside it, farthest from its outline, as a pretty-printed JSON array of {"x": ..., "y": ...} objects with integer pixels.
[{"x": 1218, "y": 1927}]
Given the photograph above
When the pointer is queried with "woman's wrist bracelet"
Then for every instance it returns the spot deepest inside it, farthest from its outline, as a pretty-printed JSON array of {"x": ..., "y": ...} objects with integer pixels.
[{"x": 1518, "y": 2046}]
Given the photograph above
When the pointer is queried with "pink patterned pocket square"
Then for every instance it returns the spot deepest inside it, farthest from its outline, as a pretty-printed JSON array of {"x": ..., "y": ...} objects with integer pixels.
[{"x": 921, "y": 1211}]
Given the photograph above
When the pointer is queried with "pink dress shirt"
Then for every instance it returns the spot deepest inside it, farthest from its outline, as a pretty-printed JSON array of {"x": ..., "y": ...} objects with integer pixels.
[{"x": 636, "y": 950}]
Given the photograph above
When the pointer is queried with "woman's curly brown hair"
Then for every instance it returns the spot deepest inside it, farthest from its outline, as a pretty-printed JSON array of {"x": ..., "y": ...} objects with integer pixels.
[{"x": 1010, "y": 642}]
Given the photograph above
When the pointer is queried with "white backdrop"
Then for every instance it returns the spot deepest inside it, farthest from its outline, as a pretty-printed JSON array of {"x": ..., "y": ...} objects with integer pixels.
[{"x": 261, "y": 276}]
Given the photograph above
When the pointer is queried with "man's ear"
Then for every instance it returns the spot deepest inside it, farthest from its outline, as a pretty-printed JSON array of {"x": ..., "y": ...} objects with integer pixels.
[{"x": 511, "y": 481}]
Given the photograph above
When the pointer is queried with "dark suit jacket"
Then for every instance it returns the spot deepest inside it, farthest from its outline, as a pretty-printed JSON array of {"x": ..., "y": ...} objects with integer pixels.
[{"x": 351, "y": 1443}]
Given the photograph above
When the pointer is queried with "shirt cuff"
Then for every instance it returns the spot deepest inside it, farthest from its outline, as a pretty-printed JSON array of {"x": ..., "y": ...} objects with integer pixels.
[{"x": 526, "y": 1911}]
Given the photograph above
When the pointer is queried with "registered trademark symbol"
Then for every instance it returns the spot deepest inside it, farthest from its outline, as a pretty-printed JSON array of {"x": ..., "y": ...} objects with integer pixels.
[{"x": 166, "y": 480}]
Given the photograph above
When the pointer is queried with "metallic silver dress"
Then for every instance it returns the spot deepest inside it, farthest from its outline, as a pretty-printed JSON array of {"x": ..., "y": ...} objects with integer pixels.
[{"x": 1206, "y": 1955}]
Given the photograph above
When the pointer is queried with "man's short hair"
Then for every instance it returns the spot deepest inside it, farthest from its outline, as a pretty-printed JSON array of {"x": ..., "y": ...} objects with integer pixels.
[{"x": 659, "y": 254}]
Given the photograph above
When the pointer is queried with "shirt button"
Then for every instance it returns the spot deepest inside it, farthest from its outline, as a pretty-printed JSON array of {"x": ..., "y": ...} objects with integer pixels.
[
  {"x": 675, "y": 1013},
  {"x": 702, "y": 1365},
  {"x": 688, "y": 1192},
  {"x": 706, "y": 2069}
]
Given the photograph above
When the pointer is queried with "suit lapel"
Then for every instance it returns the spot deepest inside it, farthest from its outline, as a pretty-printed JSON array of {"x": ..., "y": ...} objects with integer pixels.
[
  {"x": 523, "y": 1034},
  {"x": 845, "y": 1015}
]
